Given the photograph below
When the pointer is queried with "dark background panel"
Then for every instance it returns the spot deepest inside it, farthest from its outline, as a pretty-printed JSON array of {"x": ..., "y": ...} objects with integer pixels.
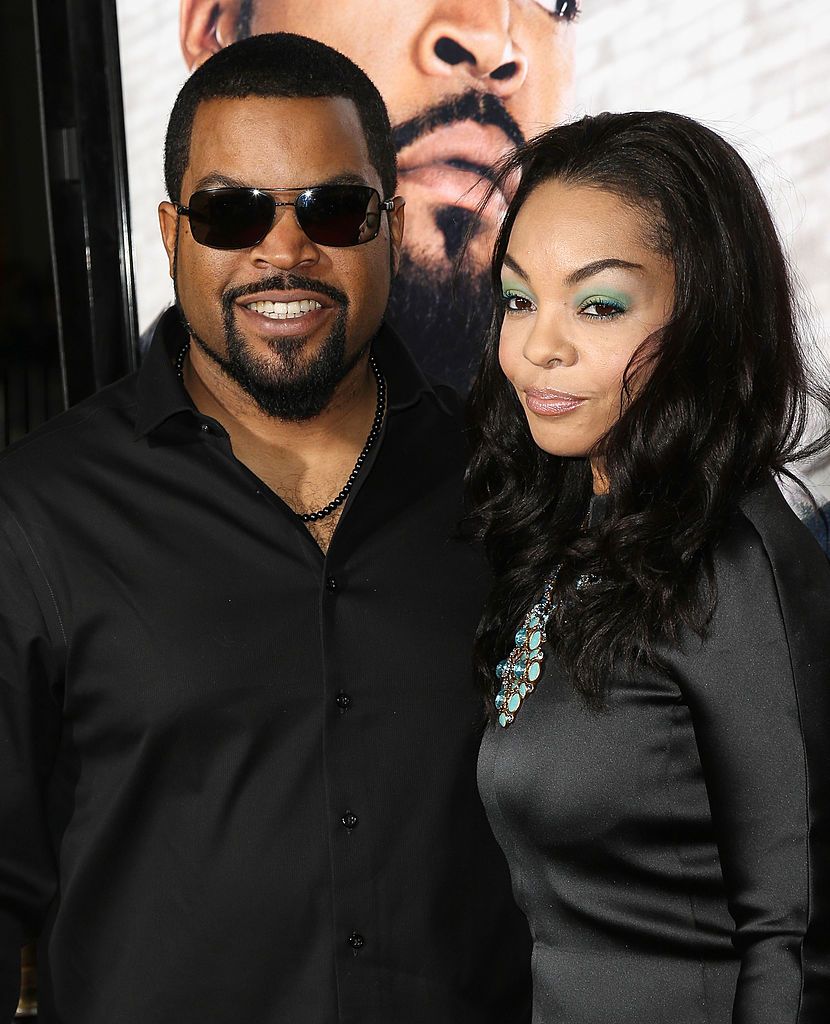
[
  {"x": 67, "y": 304},
  {"x": 86, "y": 163},
  {"x": 31, "y": 386}
]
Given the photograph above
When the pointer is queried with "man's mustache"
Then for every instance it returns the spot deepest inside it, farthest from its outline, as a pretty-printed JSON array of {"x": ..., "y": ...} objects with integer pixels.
[
  {"x": 283, "y": 283},
  {"x": 481, "y": 107}
]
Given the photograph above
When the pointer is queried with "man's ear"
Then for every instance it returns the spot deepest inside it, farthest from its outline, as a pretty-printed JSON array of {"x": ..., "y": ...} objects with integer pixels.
[
  {"x": 396, "y": 222},
  {"x": 205, "y": 26},
  {"x": 169, "y": 224}
]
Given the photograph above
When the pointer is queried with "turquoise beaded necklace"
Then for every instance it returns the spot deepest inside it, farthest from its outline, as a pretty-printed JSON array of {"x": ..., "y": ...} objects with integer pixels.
[{"x": 520, "y": 671}]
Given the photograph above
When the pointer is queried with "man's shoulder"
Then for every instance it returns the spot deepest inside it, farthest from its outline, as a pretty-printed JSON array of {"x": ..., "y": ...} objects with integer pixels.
[
  {"x": 778, "y": 523},
  {"x": 407, "y": 382},
  {"x": 97, "y": 422},
  {"x": 768, "y": 556}
]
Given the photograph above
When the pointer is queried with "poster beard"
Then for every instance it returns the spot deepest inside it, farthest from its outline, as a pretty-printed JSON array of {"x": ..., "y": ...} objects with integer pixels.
[
  {"x": 442, "y": 309},
  {"x": 442, "y": 317}
]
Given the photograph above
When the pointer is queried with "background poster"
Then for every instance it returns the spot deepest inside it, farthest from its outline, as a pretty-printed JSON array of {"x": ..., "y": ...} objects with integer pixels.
[{"x": 753, "y": 70}]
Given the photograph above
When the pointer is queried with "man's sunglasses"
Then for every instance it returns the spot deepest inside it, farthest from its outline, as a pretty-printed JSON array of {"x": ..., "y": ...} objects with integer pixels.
[{"x": 237, "y": 218}]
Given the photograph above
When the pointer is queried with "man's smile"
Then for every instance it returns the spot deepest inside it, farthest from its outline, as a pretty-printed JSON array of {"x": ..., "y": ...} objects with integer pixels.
[
  {"x": 283, "y": 310},
  {"x": 284, "y": 305},
  {"x": 286, "y": 315}
]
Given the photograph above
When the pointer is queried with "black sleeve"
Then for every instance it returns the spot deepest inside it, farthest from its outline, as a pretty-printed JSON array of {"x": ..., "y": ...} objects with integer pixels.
[
  {"x": 29, "y": 735},
  {"x": 767, "y": 771}
]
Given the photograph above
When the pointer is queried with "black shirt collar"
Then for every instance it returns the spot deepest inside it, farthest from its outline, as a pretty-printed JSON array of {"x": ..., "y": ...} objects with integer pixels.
[{"x": 161, "y": 394}]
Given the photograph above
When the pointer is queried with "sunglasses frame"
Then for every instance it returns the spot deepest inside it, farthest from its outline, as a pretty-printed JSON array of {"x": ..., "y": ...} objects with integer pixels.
[{"x": 387, "y": 205}]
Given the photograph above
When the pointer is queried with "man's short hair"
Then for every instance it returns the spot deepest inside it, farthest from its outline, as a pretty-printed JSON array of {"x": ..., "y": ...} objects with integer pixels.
[{"x": 279, "y": 65}]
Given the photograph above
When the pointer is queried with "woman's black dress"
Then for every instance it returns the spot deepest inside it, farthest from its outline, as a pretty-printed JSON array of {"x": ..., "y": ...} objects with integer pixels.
[{"x": 672, "y": 853}]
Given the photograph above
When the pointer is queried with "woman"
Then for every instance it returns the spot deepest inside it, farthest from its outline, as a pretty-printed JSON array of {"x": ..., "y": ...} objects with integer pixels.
[{"x": 655, "y": 647}]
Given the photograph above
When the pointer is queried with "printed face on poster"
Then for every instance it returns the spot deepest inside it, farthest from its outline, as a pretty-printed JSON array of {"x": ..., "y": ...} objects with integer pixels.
[{"x": 465, "y": 80}]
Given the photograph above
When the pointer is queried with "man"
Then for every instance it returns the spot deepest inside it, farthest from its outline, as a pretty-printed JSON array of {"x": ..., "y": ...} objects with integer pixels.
[
  {"x": 237, "y": 758},
  {"x": 464, "y": 82}
]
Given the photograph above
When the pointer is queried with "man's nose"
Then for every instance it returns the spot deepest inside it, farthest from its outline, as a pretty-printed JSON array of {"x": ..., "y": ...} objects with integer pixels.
[
  {"x": 472, "y": 39},
  {"x": 286, "y": 245}
]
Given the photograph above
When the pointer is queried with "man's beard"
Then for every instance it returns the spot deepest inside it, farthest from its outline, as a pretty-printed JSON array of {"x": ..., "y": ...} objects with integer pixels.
[{"x": 285, "y": 387}]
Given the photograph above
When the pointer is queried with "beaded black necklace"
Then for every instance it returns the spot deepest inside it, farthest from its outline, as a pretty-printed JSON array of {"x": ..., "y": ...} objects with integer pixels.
[{"x": 374, "y": 431}]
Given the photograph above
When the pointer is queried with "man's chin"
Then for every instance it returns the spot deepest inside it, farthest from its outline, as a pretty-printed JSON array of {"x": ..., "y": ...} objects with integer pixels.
[
  {"x": 277, "y": 374},
  {"x": 442, "y": 317}
]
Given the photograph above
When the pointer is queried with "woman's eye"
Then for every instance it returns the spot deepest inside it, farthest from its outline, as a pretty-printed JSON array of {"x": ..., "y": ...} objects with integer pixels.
[
  {"x": 601, "y": 309},
  {"x": 515, "y": 303},
  {"x": 568, "y": 10}
]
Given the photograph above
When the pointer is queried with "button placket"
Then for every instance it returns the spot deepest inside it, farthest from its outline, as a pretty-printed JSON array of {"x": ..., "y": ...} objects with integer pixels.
[{"x": 348, "y": 821}]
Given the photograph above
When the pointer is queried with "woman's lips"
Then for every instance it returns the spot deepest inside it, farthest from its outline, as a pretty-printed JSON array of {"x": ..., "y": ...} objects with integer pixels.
[{"x": 552, "y": 403}]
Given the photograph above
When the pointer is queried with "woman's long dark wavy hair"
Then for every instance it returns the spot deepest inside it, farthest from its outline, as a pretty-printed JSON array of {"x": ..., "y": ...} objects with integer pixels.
[{"x": 719, "y": 402}]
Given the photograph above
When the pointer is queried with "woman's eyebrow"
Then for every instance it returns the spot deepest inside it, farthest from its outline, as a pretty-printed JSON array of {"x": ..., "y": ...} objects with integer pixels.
[
  {"x": 581, "y": 273},
  {"x": 511, "y": 264},
  {"x": 596, "y": 267}
]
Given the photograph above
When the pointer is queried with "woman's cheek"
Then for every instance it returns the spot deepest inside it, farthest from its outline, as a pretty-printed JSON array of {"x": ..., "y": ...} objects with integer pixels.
[{"x": 510, "y": 346}]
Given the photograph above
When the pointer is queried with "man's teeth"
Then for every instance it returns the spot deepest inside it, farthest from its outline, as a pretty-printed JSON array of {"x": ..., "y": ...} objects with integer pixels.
[{"x": 284, "y": 310}]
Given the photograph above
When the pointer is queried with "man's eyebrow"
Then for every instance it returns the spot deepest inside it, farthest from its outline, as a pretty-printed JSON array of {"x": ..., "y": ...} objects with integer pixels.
[
  {"x": 511, "y": 264},
  {"x": 346, "y": 178},
  {"x": 215, "y": 179},
  {"x": 597, "y": 266}
]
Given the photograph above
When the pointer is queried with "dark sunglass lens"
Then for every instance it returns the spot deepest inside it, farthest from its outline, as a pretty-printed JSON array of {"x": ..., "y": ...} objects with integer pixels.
[
  {"x": 339, "y": 215},
  {"x": 230, "y": 218}
]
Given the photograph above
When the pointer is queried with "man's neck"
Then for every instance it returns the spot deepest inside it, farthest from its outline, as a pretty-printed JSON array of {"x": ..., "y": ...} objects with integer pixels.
[{"x": 306, "y": 462}]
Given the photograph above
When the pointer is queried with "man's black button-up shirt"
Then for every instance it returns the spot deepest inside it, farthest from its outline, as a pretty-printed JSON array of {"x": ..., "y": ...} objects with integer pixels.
[{"x": 237, "y": 774}]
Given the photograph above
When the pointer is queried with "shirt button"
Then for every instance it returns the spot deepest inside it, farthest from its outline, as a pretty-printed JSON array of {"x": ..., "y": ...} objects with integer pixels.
[
  {"x": 356, "y": 940},
  {"x": 349, "y": 820},
  {"x": 343, "y": 701},
  {"x": 205, "y": 428},
  {"x": 331, "y": 584}
]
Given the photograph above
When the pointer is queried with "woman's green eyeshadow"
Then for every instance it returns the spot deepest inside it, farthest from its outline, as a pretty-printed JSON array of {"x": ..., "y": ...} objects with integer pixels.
[
  {"x": 513, "y": 286},
  {"x": 611, "y": 296}
]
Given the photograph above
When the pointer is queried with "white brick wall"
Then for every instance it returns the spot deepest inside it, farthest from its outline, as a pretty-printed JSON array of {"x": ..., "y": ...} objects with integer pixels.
[
  {"x": 152, "y": 72},
  {"x": 755, "y": 70},
  {"x": 758, "y": 72}
]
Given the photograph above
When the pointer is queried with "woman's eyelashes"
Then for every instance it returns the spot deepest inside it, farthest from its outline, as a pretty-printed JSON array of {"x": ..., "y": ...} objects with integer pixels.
[
  {"x": 602, "y": 305},
  {"x": 594, "y": 306},
  {"x": 517, "y": 302},
  {"x": 601, "y": 309}
]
